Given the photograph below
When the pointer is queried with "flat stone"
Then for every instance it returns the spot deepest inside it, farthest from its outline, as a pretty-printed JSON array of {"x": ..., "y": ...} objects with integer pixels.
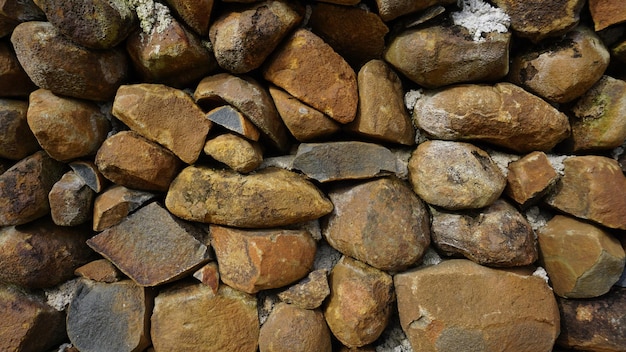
[
  {"x": 255, "y": 260},
  {"x": 391, "y": 9},
  {"x": 504, "y": 115},
  {"x": 308, "y": 293},
  {"x": 16, "y": 139},
  {"x": 25, "y": 186},
  {"x": 310, "y": 70},
  {"x": 236, "y": 152},
  {"x": 592, "y": 188},
  {"x": 231, "y": 119},
  {"x": 289, "y": 326},
  {"x": 359, "y": 305},
  {"x": 227, "y": 321},
  {"x": 89, "y": 173},
  {"x": 100, "y": 270},
  {"x": 196, "y": 14},
  {"x": 498, "y": 235},
  {"x": 41, "y": 254},
  {"x": 209, "y": 275},
  {"x": 55, "y": 63},
  {"x": 582, "y": 260},
  {"x": 529, "y": 178},
  {"x": 268, "y": 198},
  {"x": 164, "y": 115},
  {"x": 455, "y": 175},
  {"x": 606, "y": 13},
  {"x": 153, "y": 247},
  {"x": 382, "y": 114},
  {"x": 66, "y": 128},
  {"x": 130, "y": 160},
  {"x": 508, "y": 308},
  {"x": 111, "y": 316},
  {"x": 380, "y": 222},
  {"x": 114, "y": 204},
  {"x": 565, "y": 69},
  {"x": 14, "y": 82},
  {"x": 70, "y": 200}
]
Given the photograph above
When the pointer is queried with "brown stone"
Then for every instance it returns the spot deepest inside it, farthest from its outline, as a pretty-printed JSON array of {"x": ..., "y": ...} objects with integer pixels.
[
  {"x": 606, "y": 13},
  {"x": 254, "y": 260},
  {"x": 23, "y": 11},
  {"x": 54, "y": 62},
  {"x": 268, "y": 198},
  {"x": 504, "y": 115},
  {"x": 14, "y": 82},
  {"x": 227, "y": 321},
  {"x": 359, "y": 305},
  {"x": 163, "y": 115},
  {"x": 289, "y": 327},
  {"x": 89, "y": 173},
  {"x": 114, "y": 204},
  {"x": 582, "y": 260},
  {"x": 16, "y": 139},
  {"x": 195, "y": 14},
  {"x": 130, "y": 160},
  {"x": 308, "y": 293},
  {"x": 236, "y": 152},
  {"x": 231, "y": 119},
  {"x": 592, "y": 188},
  {"x": 100, "y": 270},
  {"x": 529, "y": 178},
  {"x": 70, "y": 200},
  {"x": 391, "y": 9},
  {"x": 209, "y": 275},
  {"x": 153, "y": 247},
  {"x": 508, "y": 308},
  {"x": 310, "y": 70}
]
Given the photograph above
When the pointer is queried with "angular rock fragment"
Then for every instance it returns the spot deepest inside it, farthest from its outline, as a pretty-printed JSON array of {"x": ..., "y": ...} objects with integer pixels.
[
  {"x": 268, "y": 198},
  {"x": 236, "y": 152},
  {"x": 89, "y": 173},
  {"x": 231, "y": 119},
  {"x": 114, "y": 204},
  {"x": 391, "y": 9},
  {"x": 100, "y": 270},
  {"x": 16, "y": 139},
  {"x": 14, "y": 82},
  {"x": 195, "y": 14},
  {"x": 153, "y": 247},
  {"x": 209, "y": 275},
  {"x": 70, "y": 200},
  {"x": 529, "y": 178},
  {"x": 308, "y": 293},
  {"x": 606, "y": 13}
]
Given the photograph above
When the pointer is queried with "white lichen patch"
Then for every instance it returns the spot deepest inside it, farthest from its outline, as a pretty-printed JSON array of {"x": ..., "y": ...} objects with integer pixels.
[
  {"x": 411, "y": 97},
  {"x": 153, "y": 16},
  {"x": 537, "y": 218},
  {"x": 557, "y": 162},
  {"x": 59, "y": 297},
  {"x": 543, "y": 274},
  {"x": 502, "y": 159},
  {"x": 480, "y": 17}
]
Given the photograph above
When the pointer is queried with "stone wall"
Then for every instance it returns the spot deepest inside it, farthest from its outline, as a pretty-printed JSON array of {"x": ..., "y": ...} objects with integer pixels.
[{"x": 312, "y": 176}]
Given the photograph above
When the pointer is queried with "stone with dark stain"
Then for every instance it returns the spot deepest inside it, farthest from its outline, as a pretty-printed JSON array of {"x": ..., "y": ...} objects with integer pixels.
[
  {"x": 16, "y": 139},
  {"x": 196, "y": 14},
  {"x": 71, "y": 201},
  {"x": 232, "y": 120},
  {"x": 14, "y": 82}
]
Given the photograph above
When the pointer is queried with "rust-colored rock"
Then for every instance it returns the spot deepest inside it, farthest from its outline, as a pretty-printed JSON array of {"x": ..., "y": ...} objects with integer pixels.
[
  {"x": 100, "y": 270},
  {"x": 14, "y": 82},
  {"x": 606, "y": 13},
  {"x": 70, "y": 200},
  {"x": 236, "y": 152},
  {"x": 114, "y": 204},
  {"x": 209, "y": 275},
  {"x": 16, "y": 139},
  {"x": 231, "y": 119},
  {"x": 196, "y": 14},
  {"x": 308, "y": 293},
  {"x": 529, "y": 178},
  {"x": 391, "y": 9}
]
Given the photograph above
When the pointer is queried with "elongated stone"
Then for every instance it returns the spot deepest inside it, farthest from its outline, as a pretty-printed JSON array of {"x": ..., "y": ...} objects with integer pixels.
[{"x": 16, "y": 139}]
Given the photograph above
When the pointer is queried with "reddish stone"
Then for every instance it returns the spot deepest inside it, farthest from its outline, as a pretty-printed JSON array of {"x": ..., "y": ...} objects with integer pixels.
[
  {"x": 529, "y": 178},
  {"x": 606, "y": 13},
  {"x": 16, "y": 139},
  {"x": 100, "y": 270}
]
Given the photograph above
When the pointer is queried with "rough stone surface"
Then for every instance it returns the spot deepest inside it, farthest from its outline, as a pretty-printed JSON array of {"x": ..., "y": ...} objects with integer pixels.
[
  {"x": 114, "y": 204},
  {"x": 14, "y": 82},
  {"x": 231, "y": 119},
  {"x": 606, "y": 13},
  {"x": 209, "y": 275},
  {"x": 529, "y": 178},
  {"x": 236, "y": 152},
  {"x": 100, "y": 270},
  {"x": 509, "y": 308},
  {"x": 16, "y": 139},
  {"x": 89, "y": 173},
  {"x": 308, "y": 293},
  {"x": 268, "y": 198},
  {"x": 196, "y": 14},
  {"x": 70, "y": 200},
  {"x": 391, "y": 9}
]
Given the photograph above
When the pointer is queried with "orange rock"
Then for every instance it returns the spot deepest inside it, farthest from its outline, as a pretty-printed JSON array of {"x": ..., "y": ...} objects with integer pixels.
[
  {"x": 308, "y": 293},
  {"x": 236, "y": 152},
  {"x": 195, "y": 13},
  {"x": 606, "y": 13},
  {"x": 114, "y": 204},
  {"x": 100, "y": 270},
  {"x": 209, "y": 275},
  {"x": 529, "y": 178}
]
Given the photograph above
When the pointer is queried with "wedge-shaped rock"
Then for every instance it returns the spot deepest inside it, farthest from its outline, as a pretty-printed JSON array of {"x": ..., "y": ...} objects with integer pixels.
[
  {"x": 100, "y": 270},
  {"x": 114, "y": 204},
  {"x": 231, "y": 119},
  {"x": 16, "y": 139},
  {"x": 209, "y": 275},
  {"x": 89, "y": 173},
  {"x": 508, "y": 308},
  {"x": 153, "y": 247},
  {"x": 236, "y": 152},
  {"x": 70, "y": 200},
  {"x": 504, "y": 115},
  {"x": 268, "y": 198},
  {"x": 529, "y": 178},
  {"x": 310, "y": 292}
]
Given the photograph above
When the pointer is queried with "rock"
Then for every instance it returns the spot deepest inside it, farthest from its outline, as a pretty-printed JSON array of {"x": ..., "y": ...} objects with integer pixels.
[
  {"x": 130, "y": 160},
  {"x": 28, "y": 323},
  {"x": 201, "y": 314},
  {"x": 333, "y": 161},
  {"x": 458, "y": 59},
  {"x": 66, "y": 128},
  {"x": 391, "y": 9},
  {"x": 508, "y": 308},
  {"x": 606, "y": 13},
  {"x": 529, "y": 178},
  {"x": 14, "y": 12},
  {"x": 41, "y": 254},
  {"x": 455, "y": 175},
  {"x": 14, "y": 82},
  {"x": 164, "y": 115},
  {"x": 565, "y": 69},
  {"x": 70, "y": 200},
  {"x": 55, "y": 63},
  {"x": 592, "y": 188},
  {"x": 16, "y": 139},
  {"x": 209, "y": 275},
  {"x": 25, "y": 186},
  {"x": 231, "y": 119},
  {"x": 250, "y": 98},
  {"x": 382, "y": 114},
  {"x": 359, "y": 305},
  {"x": 268, "y": 198},
  {"x": 255, "y": 260},
  {"x": 497, "y": 235},
  {"x": 310, "y": 70},
  {"x": 113, "y": 316},
  {"x": 504, "y": 115},
  {"x": 153, "y": 247},
  {"x": 308, "y": 293},
  {"x": 195, "y": 14},
  {"x": 290, "y": 327},
  {"x": 100, "y": 270},
  {"x": 89, "y": 173},
  {"x": 114, "y": 204},
  {"x": 582, "y": 260},
  {"x": 380, "y": 222},
  {"x": 243, "y": 39},
  {"x": 236, "y": 152}
]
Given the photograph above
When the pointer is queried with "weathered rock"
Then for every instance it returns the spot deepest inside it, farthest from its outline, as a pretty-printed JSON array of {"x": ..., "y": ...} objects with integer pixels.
[
  {"x": 565, "y": 69},
  {"x": 236, "y": 152},
  {"x": 390, "y": 9},
  {"x": 41, "y": 254},
  {"x": 16, "y": 139},
  {"x": 529, "y": 178},
  {"x": 582, "y": 260},
  {"x": 14, "y": 12},
  {"x": 70, "y": 200},
  {"x": 231, "y": 119},
  {"x": 89, "y": 173},
  {"x": 195, "y": 14},
  {"x": 227, "y": 321},
  {"x": 209, "y": 275},
  {"x": 359, "y": 305},
  {"x": 109, "y": 316},
  {"x": 268, "y": 198},
  {"x": 503, "y": 114},
  {"x": 310, "y": 292},
  {"x": 592, "y": 188},
  {"x": 25, "y": 186},
  {"x": 310, "y": 70},
  {"x": 100, "y": 270},
  {"x": 153, "y": 247},
  {"x": 54, "y": 62},
  {"x": 606, "y": 13},
  {"x": 163, "y": 115},
  {"x": 290, "y": 328},
  {"x": 254, "y": 260},
  {"x": 508, "y": 308},
  {"x": 66, "y": 128},
  {"x": 130, "y": 160},
  {"x": 14, "y": 82},
  {"x": 455, "y": 175},
  {"x": 114, "y": 204},
  {"x": 458, "y": 59}
]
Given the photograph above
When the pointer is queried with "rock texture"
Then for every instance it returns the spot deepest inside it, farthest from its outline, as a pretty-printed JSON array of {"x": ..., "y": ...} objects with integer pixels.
[
  {"x": 16, "y": 138},
  {"x": 70, "y": 200},
  {"x": 529, "y": 178},
  {"x": 236, "y": 152}
]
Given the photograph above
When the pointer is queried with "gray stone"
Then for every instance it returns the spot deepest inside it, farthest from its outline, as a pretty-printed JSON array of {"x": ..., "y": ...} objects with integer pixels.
[{"x": 71, "y": 200}]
